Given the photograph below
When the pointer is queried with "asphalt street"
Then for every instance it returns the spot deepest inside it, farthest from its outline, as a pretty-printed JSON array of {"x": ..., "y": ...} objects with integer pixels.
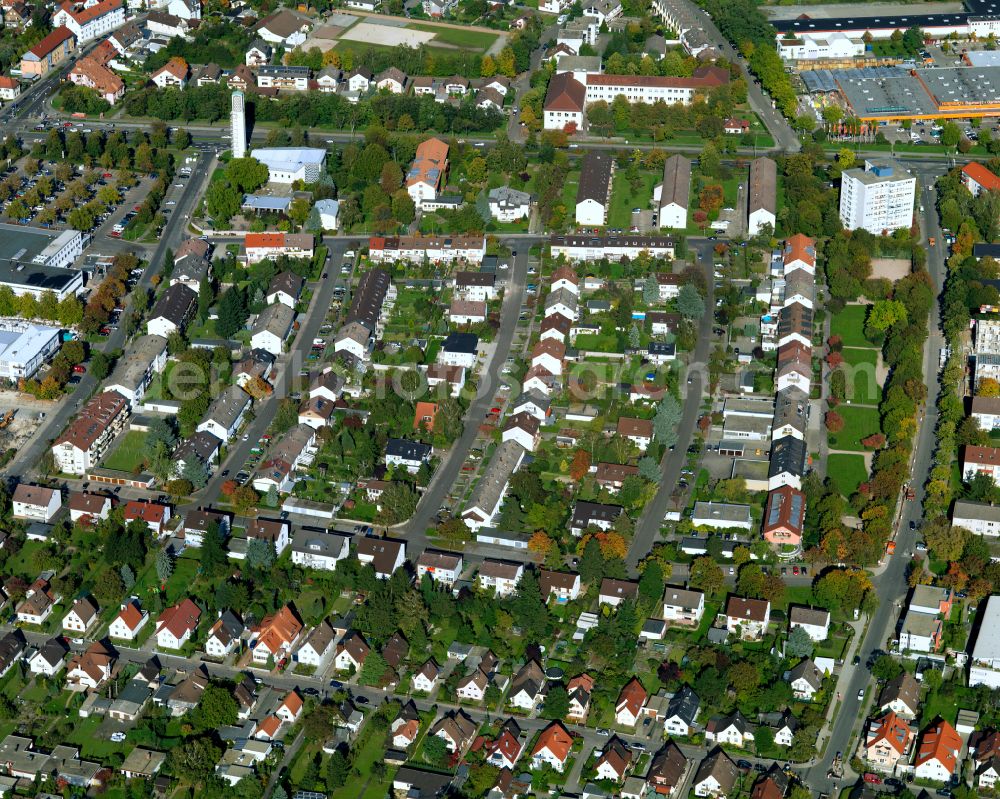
[
  {"x": 25, "y": 462},
  {"x": 892, "y": 585},
  {"x": 648, "y": 526},
  {"x": 415, "y": 530}
]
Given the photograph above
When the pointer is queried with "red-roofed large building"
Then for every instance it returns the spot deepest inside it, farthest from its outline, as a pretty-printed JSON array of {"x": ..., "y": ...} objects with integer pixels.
[
  {"x": 87, "y": 23},
  {"x": 92, "y": 74},
  {"x": 49, "y": 53},
  {"x": 977, "y": 178},
  {"x": 88, "y": 437},
  {"x": 177, "y": 624},
  {"x": 261, "y": 246}
]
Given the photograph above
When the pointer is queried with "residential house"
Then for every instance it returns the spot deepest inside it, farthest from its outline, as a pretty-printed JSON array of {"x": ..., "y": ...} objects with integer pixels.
[
  {"x": 500, "y": 576},
  {"x": 667, "y": 770},
  {"x": 580, "y": 689},
  {"x": 271, "y": 328},
  {"x": 638, "y": 431},
  {"x": 527, "y": 688},
  {"x": 593, "y": 514},
  {"x": 39, "y": 601},
  {"x": 443, "y": 567},
  {"x": 88, "y": 507},
  {"x": 887, "y": 743},
  {"x": 456, "y": 729},
  {"x": 153, "y": 514},
  {"x": 351, "y": 652},
  {"x": 815, "y": 621},
  {"x": 129, "y": 621},
  {"x": 277, "y": 635},
  {"x": 631, "y": 702},
  {"x": 939, "y": 756},
  {"x": 81, "y": 616},
  {"x": 384, "y": 554},
  {"x": 271, "y": 531},
  {"x": 716, "y": 776},
  {"x": 748, "y": 617},
  {"x": 427, "y": 677},
  {"x": 315, "y": 550},
  {"x": 615, "y": 761},
  {"x": 35, "y": 503},
  {"x": 901, "y": 695},
  {"x": 681, "y": 713},
  {"x": 806, "y": 680},
  {"x": 613, "y": 592},
  {"x": 177, "y": 624},
  {"x": 49, "y": 658},
  {"x": 318, "y": 646},
  {"x": 733, "y": 729},
  {"x": 224, "y": 635},
  {"x": 410, "y": 455},
  {"x": 553, "y": 747},
  {"x": 564, "y": 586},
  {"x": 683, "y": 606},
  {"x": 90, "y": 669},
  {"x": 171, "y": 311}
]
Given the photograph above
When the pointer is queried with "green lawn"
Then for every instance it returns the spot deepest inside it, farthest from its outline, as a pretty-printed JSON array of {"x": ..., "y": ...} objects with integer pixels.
[
  {"x": 595, "y": 342},
  {"x": 866, "y": 389},
  {"x": 624, "y": 199},
  {"x": 849, "y": 324},
  {"x": 130, "y": 453},
  {"x": 847, "y": 472},
  {"x": 859, "y": 423},
  {"x": 468, "y": 39}
]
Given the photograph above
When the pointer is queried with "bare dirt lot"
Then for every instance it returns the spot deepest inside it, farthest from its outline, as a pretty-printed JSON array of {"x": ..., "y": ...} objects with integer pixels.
[
  {"x": 386, "y": 35},
  {"x": 891, "y": 269}
]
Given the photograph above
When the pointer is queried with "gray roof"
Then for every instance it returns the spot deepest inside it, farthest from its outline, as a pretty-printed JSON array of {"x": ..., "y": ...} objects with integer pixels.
[
  {"x": 721, "y": 767},
  {"x": 227, "y": 407},
  {"x": 491, "y": 485},
  {"x": 276, "y": 318},
  {"x": 132, "y": 368},
  {"x": 676, "y": 181},
  {"x": 788, "y": 454},
  {"x": 977, "y": 511},
  {"x": 763, "y": 185},
  {"x": 684, "y": 705},
  {"x": 807, "y": 671},
  {"x": 316, "y": 543},
  {"x": 721, "y": 512},
  {"x": 790, "y": 407},
  {"x": 368, "y": 298}
]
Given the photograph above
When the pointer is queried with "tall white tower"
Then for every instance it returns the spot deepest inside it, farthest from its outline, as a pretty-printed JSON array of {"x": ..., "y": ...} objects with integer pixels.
[{"x": 238, "y": 117}]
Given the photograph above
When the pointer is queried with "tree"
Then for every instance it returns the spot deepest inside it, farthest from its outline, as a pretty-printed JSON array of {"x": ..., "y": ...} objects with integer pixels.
[
  {"x": 690, "y": 303},
  {"x": 233, "y": 312},
  {"x": 834, "y": 422},
  {"x": 556, "y": 703},
  {"x": 799, "y": 644},
  {"x": 707, "y": 575},
  {"x": 649, "y": 469},
  {"x": 195, "y": 472},
  {"x": 260, "y": 554},
  {"x": 244, "y": 498},
  {"x": 667, "y": 420},
  {"x": 337, "y": 771},
  {"x": 580, "y": 466},
  {"x": 373, "y": 669},
  {"x": 164, "y": 565},
  {"x": 435, "y": 749},
  {"x": 216, "y": 709},
  {"x": 651, "y": 583},
  {"x": 886, "y": 668},
  {"x": 100, "y": 365},
  {"x": 398, "y": 501},
  {"x": 195, "y": 758},
  {"x": 591, "y": 562},
  {"x": 884, "y": 314},
  {"x": 744, "y": 677},
  {"x": 246, "y": 174}
]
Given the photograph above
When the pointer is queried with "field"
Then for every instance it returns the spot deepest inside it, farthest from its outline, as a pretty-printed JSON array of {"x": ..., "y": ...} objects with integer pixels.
[
  {"x": 130, "y": 453},
  {"x": 847, "y": 472},
  {"x": 623, "y": 199},
  {"x": 466, "y": 39},
  {"x": 859, "y": 422},
  {"x": 866, "y": 389},
  {"x": 849, "y": 324}
]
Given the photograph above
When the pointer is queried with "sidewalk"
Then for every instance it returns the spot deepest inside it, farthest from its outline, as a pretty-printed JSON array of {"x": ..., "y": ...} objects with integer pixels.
[{"x": 843, "y": 680}]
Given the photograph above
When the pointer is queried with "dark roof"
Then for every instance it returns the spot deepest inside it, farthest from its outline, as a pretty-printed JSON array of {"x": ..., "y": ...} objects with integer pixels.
[
  {"x": 409, "y": 450},
  {"x": 475, "y": 279},
  {"x": 684, "y": 705},
  {"x": 175, "y": 304},
  {"x": 288, "y": 282},
  {"x": 595, "y": 177},
  {"x": 788, "y": 454},
  {"x": 461, "y": 342},
  {"x": 585, "y": 512},
  {"x": 368, "y": 298}
]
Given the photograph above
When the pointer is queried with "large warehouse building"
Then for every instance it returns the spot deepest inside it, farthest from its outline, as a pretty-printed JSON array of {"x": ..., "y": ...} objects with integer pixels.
[
  {"x": 34, "y": 261},
  {"x": 24, "y": 347}
]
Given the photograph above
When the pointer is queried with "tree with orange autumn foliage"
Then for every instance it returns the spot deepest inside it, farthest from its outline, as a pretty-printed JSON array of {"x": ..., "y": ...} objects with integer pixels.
[
  {"x": 540, "y": 542},
  {"x": 581, "y": 465},
  {"x": 612, "y": 545}
]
